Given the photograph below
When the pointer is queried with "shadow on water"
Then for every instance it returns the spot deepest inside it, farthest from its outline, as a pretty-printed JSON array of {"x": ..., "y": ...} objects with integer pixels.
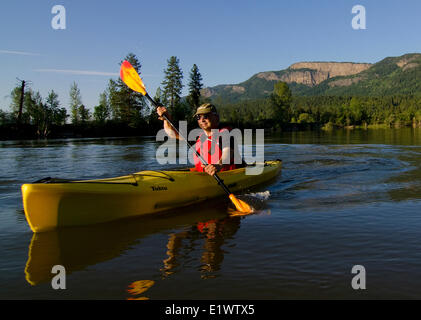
[{"x": 77, "y": 248}]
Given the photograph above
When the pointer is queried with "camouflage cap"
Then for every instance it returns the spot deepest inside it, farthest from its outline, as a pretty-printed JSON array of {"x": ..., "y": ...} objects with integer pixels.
[{"x": 206, "y": 108}]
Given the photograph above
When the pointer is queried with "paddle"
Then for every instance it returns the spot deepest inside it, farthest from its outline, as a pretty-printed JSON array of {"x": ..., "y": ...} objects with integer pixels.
[{"x": 131, "y": 78}]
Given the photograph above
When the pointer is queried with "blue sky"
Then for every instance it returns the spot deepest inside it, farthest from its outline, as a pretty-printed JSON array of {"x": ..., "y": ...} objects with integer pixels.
[{"x": 229, "y": 40}]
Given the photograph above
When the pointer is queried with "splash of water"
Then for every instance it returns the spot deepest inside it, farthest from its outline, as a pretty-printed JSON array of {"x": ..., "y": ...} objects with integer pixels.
[{"x": 264, "y": 196}]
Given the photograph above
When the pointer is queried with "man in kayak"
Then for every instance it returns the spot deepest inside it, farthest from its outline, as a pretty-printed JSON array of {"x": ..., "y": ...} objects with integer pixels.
[{"x": 220, "y": 156}]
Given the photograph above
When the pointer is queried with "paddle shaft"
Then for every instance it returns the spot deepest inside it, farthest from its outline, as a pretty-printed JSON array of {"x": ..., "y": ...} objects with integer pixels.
[{"x": 220, "y": 182}]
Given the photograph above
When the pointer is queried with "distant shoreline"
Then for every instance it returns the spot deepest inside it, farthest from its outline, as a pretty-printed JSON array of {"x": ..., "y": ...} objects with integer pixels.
[{"x": 26, "y": 135}]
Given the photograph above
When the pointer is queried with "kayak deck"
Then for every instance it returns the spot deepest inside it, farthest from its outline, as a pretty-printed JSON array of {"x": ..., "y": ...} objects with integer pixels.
[{"x": 51, "y": 203}]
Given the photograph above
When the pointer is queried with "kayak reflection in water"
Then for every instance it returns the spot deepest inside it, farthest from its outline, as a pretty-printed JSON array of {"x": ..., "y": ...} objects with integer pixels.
[
  {"x": 215, "y": 234},
  {"x": 219, "y": 156}
]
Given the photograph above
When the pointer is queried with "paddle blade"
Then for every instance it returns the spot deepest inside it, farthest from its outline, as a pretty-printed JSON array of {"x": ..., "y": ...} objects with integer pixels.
[
  {"x": 240, "y": 205},
  {"x": 131, "y": 78}
]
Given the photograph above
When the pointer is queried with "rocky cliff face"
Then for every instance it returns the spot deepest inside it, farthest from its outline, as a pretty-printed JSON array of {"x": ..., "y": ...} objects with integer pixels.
[
  {"x": 307, "y": 73},
  {"x": 407, "y": 62},
  {"x": 207, "y": 92},
  {"x": 313, "y": 73},
  {"x": 392, "y": 75},
  {"x": 333, "y": 68}
]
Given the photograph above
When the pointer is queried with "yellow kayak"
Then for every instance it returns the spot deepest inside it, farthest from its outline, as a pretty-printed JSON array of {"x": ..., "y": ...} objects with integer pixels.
[{"x": 52, "y": 203}]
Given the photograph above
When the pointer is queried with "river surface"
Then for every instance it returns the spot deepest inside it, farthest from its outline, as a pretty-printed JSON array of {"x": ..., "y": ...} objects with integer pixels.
[{"x": 344, "y": 199}]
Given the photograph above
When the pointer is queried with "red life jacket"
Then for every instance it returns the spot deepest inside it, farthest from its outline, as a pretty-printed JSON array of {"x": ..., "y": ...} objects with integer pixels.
[{"x": 209, "y": 148}]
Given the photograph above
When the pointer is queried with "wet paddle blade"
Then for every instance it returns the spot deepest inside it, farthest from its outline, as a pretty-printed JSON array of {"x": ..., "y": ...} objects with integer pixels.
[
  {"x": 131, "y": 78},
  {"x": 256, "y": 201},
  {"x": 240, "y": 205}
]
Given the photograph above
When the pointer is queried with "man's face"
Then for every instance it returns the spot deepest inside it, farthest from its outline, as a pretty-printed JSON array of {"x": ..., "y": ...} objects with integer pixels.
[{"x": 207, "y": 121}]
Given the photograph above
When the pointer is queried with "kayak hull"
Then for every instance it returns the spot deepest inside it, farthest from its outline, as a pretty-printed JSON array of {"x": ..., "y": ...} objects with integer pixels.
[{"x": 73, "y": 203}]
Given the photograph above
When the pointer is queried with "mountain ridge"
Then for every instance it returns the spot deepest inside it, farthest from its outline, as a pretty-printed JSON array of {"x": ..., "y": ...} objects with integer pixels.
[{"x": 392, "y": 75}]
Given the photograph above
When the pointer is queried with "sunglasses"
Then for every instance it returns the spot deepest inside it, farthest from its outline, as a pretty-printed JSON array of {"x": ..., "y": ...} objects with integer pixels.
[{"x": 204, "y": 116}]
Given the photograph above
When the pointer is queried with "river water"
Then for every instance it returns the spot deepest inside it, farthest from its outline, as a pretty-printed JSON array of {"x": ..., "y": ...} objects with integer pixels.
[{"x": 344, "y": 198}]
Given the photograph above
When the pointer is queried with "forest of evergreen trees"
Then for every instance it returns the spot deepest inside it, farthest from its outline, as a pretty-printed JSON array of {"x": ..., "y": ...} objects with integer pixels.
[
  {"x": 123, "y": 112},
  {"x": 326, "y": 112},
  {"x": 120, "y": 111}
]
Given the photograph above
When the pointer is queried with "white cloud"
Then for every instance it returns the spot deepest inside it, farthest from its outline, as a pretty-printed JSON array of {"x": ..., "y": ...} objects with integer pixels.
[
  {"x": 78, "y": 72},
  {"x": 22, "y": 53},
  {"x": 87, "y": 72}
]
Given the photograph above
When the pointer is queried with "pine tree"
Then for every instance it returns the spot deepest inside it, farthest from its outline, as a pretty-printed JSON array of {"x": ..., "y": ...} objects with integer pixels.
[
  {"x": 172, "y": 83},
  {"x": 195, "y": 85},
  {"x": 158, "y": 96},
  {"x": 127, "y": 105}
]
